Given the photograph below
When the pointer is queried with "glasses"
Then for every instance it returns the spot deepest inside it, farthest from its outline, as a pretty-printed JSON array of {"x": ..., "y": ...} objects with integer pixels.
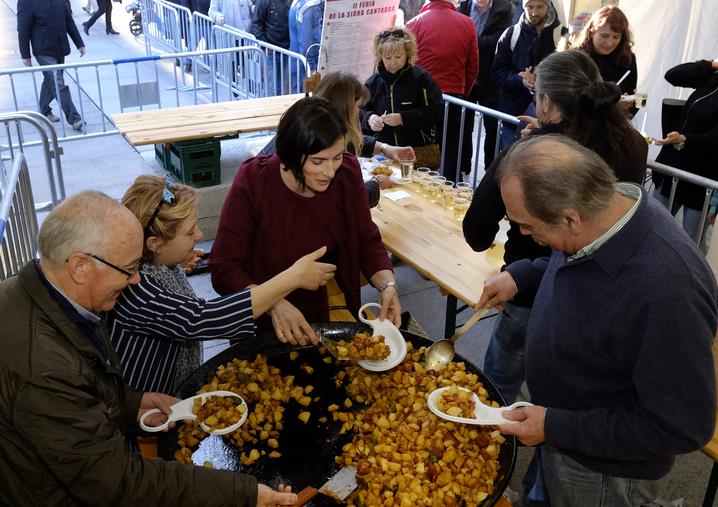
[
  {"x": 129, "y": 272},
  {"x": 168, "y": 196},
  {"x": 399, "y": 34}
]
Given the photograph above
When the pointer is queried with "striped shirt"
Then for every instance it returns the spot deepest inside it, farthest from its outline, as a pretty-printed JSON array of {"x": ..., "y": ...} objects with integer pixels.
[{"x": 149, "y": 321}]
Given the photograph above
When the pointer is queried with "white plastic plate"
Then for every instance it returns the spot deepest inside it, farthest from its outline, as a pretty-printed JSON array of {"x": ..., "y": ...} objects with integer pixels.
[
  {"x": 392, "y": 337},
  {"x": 484, "y": 415},
  {"x": 183, "y": 411}
]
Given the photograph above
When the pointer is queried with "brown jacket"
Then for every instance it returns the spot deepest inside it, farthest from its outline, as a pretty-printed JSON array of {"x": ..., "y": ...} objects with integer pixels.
[{"x": 62, "y": 411}]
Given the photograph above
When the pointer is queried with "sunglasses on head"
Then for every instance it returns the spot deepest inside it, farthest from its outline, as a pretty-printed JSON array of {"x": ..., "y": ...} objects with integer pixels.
[
  {"x": 167, "y": 197},
  {"x": 399, "y": 34}
]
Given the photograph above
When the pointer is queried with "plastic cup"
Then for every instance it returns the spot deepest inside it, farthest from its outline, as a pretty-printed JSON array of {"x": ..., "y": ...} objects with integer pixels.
[
  {"x": 420, "y": 175},
  {"x": 434, "y": 193},
  {"x": 407, "y": 169},
  {"x": 427, "y": 178},
  {"x": 448, "y": 193},
  {"x": 461, "y": 206}
]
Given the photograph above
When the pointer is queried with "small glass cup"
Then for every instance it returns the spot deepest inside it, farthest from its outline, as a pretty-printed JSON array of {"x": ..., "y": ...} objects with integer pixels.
[
  {"x": 427, "y": 178},
  {"x": 433, "y": 191},
  {"x": 407, "y": 170},
  {"x": 420, "y": 175},
  {"x": 461, "y": 206},
  {"x": 448, "y": 190},
  {"x": 463, "y": 184},
  {"x": 466, "y": 193},
  {"x": 639, "y": 98}
]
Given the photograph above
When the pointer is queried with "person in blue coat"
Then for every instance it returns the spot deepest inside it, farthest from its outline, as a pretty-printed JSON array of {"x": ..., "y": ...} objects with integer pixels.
[
  {"x": 45, "y": 25},
  {"x": 305, "y": 29},
  {"x": 520, "y": 49}
]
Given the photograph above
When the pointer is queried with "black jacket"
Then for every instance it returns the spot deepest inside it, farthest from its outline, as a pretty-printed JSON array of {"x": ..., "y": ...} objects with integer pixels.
[
  {"x": 531, "y": 47},
  {"x": 270, "y": 22},
  {"x": 414, "y": 94},
  {"x": 500, "y": 15},
  {"x": 46, "y": 24},
  {"x": 612, "y": 71},
  {"x": 699, "y": 123}
]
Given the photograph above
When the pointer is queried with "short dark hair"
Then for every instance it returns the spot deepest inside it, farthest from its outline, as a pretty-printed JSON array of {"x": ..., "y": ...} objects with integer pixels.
[
  {"x": 557, "y": 174},
  {"x": 309, "y": 126}
]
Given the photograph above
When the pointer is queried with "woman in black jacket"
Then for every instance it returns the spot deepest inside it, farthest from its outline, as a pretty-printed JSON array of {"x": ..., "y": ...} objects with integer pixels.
[
  {"x": 695, "y": 141},
  {"x": 571, "y": 99},
  {"x": 406, "y": 105}
]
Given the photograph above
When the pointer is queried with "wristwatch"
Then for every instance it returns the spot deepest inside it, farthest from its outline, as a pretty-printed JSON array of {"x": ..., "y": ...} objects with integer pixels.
[{"x": 386, "y": 285}]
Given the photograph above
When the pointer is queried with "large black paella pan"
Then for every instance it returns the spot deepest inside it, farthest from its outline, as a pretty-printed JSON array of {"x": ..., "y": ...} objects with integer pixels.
[{"x": 308, "y": 451}]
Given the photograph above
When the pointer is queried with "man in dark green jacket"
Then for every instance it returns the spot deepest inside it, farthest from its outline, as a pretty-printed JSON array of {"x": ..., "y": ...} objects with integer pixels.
[{"x": 63, "y": 406}]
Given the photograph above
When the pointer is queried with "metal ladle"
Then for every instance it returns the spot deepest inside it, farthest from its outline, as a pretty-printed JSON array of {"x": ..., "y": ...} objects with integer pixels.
[{"x": 441, "y": 353}]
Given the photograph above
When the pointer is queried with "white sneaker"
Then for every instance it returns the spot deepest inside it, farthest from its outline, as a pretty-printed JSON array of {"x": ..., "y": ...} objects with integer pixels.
[
  {"x": 78, "y": 125},
  {"x": 52, "y": 117}
]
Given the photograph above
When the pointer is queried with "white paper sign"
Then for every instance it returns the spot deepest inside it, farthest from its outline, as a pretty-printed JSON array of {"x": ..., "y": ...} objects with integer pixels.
[
  {"x": 396, "y": 195},
  {"x": 348, "y": 34}
]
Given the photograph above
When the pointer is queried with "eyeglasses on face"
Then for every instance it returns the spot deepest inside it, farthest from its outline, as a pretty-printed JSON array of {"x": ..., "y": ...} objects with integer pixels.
[
  {"x": 167, "y": 197},
  {"x": 128, "y": 272},
  {"x": 399, "y": 34}
]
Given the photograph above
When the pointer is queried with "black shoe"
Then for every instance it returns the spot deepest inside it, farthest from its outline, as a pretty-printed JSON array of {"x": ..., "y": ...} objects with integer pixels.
[
  {"x": 87, "y": 10},
  {"x": 188, "y": 67},
  {"x": 86, "y": 28},
  {"x": 110, "y": 31}
]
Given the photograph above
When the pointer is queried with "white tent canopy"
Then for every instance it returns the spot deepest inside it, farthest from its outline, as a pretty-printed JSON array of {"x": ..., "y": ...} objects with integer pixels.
[{"x": 666, "y": 33}]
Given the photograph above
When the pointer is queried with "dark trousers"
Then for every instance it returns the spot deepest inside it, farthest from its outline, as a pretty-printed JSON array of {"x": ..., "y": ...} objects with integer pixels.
[
  {"x": 48, "y": 91},
  {"x": 103, "y": 7},
  {"x": 452, "y": 167}
]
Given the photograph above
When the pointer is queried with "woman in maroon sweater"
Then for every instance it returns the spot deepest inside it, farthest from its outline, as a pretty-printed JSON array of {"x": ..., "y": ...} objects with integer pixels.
[{"x": 281, "y": 207}]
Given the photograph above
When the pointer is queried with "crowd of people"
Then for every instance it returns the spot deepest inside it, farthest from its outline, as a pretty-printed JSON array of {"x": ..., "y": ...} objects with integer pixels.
[{"x": 601, "y": 293}]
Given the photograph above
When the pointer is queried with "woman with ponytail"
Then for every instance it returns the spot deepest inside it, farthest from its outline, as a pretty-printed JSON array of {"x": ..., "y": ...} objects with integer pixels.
[{"x": 571, "y": 99}]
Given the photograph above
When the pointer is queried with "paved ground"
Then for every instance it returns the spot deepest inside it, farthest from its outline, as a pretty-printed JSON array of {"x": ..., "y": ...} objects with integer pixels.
[{"x": 110, "y": 164}]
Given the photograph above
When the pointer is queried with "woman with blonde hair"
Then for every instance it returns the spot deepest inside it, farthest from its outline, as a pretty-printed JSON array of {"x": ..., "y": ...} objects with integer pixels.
[
  {"x": 157, "y": 323},
  {"x": 406, "y": 104}
]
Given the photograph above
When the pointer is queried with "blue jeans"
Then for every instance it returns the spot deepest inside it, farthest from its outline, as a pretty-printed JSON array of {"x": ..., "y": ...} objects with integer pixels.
[
  {"x": 691, "y": 220},
  {"x": 48, "y": 93},
  {"x": 505, "y": 361},
  {"x": 568, "y": 483}
]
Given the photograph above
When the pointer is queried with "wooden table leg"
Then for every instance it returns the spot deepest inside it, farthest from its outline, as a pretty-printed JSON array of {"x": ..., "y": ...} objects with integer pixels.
[
  {"x": 450, "y": 324},
  {"x": 712, "y": 486}
]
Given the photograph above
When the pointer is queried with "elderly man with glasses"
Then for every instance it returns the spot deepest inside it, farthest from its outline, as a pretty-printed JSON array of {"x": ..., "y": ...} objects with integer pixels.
[{"x": 63, "y": 406}]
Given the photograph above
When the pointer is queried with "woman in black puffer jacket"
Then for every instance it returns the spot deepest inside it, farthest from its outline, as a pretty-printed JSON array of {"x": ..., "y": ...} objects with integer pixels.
[{"x": 406, "y": 103}]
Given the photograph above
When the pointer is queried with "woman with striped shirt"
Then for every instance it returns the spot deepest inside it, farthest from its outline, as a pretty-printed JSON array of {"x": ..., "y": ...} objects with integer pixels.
[{"x": 157, "y": 323}]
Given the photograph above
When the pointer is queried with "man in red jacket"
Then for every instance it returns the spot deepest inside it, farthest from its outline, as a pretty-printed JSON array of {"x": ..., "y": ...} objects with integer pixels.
[{"x": 448, "y": 50}]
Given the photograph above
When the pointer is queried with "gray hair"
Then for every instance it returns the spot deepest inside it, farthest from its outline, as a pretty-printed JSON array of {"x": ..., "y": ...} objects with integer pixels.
[
  {"x": 573, "y": 82},
  {"x": 558, "y": 174},
  {"x": 81, "y": 223}
]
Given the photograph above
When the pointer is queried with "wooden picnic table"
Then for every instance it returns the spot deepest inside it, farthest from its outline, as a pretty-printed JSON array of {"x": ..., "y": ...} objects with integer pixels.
[
  {"x": 428, "y": 238},
  {"x": 159, "y": 126}
]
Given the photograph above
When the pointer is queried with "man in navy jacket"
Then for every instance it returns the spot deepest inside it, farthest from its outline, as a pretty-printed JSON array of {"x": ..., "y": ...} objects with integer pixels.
[
  {"x": 519, "y": 50},
  {"x": 618, "y": 347},
  {"x": 45, "y": 24}
]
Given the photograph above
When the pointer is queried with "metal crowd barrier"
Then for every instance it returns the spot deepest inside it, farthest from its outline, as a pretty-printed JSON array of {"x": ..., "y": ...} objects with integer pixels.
[
  {"x": 174, "y": 29},
  {"x": 473, "y": 108},
  {"x": 18, "y": 223},
  {"x": 137, "y": 85},
  {"x": 677, "y": 175},
  {"x": 24, "y": 129}
]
